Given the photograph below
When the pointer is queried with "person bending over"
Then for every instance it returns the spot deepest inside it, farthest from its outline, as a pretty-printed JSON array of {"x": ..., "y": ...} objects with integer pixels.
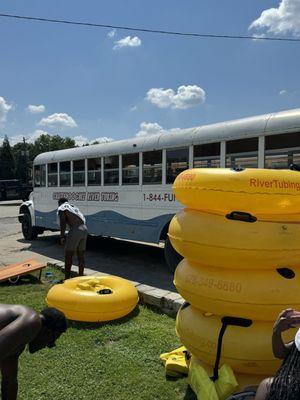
[
  {"x": 76, "y": 239},
  {"x": 21, "y": 326},
  {"x": 286, "y": 383}
]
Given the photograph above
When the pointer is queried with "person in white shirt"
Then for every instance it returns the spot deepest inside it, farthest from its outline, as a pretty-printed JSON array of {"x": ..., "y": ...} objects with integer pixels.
[{"x": 75, "y": 240}]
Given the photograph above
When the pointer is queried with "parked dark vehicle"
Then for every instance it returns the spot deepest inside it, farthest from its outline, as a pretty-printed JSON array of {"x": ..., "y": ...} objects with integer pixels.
[{"x": 14, "y": 189}]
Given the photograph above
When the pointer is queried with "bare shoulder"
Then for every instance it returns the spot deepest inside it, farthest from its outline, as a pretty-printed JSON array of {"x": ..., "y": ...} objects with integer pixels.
[{"x": 27, "y": 315}]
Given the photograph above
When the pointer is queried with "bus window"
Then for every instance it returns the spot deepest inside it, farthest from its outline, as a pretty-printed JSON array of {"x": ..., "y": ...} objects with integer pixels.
[
  {"x": 111, "y": 170},
  {"x": 152, "y": 167},
  {"x": 242, "y": 153},
  {"x": 296, "y": 158},
  {"x": 40, "y": 175},
  {"x": 79, "y": 173},
  {"x": 52, "y": 174},
  {"x": 65, "y": 173},
  {"x": 282, "y": 150},
  {"x": 130, "y": 169},
  {"x": 94, "y": 171},
  {"x": 177, "y": 161},
  {"x": 207, "y": 155}
]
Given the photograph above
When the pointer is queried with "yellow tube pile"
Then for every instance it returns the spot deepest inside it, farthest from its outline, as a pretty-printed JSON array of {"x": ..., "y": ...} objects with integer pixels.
[{"x": 240, "y": 236}]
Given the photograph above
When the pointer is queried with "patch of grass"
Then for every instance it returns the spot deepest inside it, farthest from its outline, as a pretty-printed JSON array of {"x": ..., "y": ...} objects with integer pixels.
[{"x": 117, "y": 360}]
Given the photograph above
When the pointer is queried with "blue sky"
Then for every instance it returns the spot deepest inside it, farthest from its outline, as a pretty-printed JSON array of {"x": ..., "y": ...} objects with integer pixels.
[{"x": 91, "y": 83}]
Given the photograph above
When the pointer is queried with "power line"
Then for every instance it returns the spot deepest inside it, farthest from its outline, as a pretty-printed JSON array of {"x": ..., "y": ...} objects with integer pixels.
[{"x": 127, "y": 28}]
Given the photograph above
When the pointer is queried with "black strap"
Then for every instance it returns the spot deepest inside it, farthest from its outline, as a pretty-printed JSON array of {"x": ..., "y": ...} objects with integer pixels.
[
  {"x": 295, "y": 167},
  {"x": 241, "y": 216},
  {"x": 219, "y": 350},
  {"x": 104, "y": 291},
  {"x": 235, "y": 321},
  {"x": 238, "y": 169}
]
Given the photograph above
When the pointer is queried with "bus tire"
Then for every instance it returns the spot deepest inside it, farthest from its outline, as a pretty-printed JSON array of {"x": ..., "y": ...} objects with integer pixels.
[
  {"x": 171, "y": 256},
  {"x": 29, "y": 232}
]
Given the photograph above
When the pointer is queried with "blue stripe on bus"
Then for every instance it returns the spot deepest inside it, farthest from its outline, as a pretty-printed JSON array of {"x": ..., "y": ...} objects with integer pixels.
[{"x": 111, "y": 223}]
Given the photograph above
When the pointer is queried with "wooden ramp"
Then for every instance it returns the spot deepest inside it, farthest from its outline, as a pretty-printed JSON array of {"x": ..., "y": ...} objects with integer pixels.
[{"x": 24, "y": 268}]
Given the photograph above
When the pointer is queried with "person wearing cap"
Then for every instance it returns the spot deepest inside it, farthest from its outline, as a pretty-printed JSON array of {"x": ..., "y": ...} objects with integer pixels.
[
  {"x": 21, "y": 326},
  {"x": 70, "y": 216},
  {"x": 286, "y": 383}
]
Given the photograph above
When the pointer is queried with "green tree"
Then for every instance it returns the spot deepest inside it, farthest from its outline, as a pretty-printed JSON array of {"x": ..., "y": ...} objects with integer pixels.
[
  {"x": 7, "y": 161},
  {"x": 23, "y": 154},
  {"x": 17, "y": 161},
  {"x": 51, "y": 143}
]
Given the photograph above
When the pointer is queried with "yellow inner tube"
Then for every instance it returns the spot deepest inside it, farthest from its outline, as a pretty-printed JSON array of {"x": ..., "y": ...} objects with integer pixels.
[
  {"x": 246, "y": 350},
  {"x": 260, "y": 296},
  {"x": 261, "y": 192},
  {"x": 93, "y": 299},
  {"x": 244, "y": 380},
  {"x": 223, "y": 242}
]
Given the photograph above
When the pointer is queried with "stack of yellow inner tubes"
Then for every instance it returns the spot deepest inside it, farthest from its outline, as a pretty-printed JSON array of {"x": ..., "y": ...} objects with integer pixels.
[{"x": 240, "y": 236}]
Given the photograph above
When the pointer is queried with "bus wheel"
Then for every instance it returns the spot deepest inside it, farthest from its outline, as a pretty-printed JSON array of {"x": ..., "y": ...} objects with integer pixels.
[
  {"x": 29, "y": 232},
  {"x": 171, "y": 256}
]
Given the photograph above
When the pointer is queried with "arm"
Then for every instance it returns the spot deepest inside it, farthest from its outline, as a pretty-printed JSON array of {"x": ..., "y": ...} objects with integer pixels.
[
  {"x": 284, "y": 322},
  {"x": 63, "y": 223},
  {"x": 24, "y": 326},
  {"x": 280, "y": 349},
  {"x": 9, "y": 383}
]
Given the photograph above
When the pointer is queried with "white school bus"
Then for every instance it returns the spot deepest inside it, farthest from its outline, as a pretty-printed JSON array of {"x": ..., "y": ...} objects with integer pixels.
[{"x": 124, "y": 188}]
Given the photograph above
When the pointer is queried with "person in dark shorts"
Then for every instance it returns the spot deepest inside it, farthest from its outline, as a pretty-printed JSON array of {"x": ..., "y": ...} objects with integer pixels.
[
  {"x": 21, "y": 326},
  {"x": 75, "y": 240}
]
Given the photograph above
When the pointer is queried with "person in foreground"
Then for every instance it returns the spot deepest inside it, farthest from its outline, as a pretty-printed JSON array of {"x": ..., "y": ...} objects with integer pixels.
[
  {"x": 76, "y": 239},
  {"x": 286, "y": 383},
  {"x": 21, "y": 326}
]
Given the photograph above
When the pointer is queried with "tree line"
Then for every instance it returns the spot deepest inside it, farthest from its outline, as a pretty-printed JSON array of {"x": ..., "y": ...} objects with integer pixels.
[{"x": 16, "y": 161}]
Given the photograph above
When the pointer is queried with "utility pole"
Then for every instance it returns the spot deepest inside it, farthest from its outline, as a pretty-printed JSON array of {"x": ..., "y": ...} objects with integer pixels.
[{"x": 25, "y": 154}]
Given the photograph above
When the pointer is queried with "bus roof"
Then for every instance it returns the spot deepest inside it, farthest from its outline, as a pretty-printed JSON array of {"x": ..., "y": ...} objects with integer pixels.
[{"x": 268, "y": 124}]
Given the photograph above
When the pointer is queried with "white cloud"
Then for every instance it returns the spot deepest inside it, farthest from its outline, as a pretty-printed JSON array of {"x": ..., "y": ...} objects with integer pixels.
[
  {"x": 30, "y": 137},
  {"x": 153, "y": 128},
  {"x": 80, "y": 140},
  {"x": 133, "y": 108},
  {"x": 128, "y": 41},
  {"x": 60, "y": 120},
  {"x": 103, "y": 139},
  {"x": 186, "y": 97},
  {"x": 281, "y": 20},
  {"x": 111, "y": 34},
  {"x": 32, "y": 109},
  {"x": 149, "y": 128},
  {"x": 282, "y": 92},
  {"x": 4, "y": 109}
]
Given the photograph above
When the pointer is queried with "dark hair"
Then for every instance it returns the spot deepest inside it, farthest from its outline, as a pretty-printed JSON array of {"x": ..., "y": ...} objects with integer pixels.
[
  {"x": 286, "y": 383},
  {"x": 54, "y": 319},
  {"x": 62, "y": 200}
]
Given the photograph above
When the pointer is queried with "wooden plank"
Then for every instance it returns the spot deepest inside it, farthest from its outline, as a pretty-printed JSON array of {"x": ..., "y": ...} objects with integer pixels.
[{"x": 24, "y": 268}]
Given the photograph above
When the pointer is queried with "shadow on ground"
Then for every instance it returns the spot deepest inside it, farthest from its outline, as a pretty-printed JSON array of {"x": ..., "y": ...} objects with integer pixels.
[
  {"x": 95, "y": 325},
  {"x": 134, "y": 261},
  {"x": 21, "y": 281},
  {"x": 189, "y": 395}
]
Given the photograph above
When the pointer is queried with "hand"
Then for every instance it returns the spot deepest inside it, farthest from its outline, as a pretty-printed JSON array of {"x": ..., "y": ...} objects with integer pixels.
[
  {"x": 287, "y": 319},
  {"x": 62, "y": 240}
]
